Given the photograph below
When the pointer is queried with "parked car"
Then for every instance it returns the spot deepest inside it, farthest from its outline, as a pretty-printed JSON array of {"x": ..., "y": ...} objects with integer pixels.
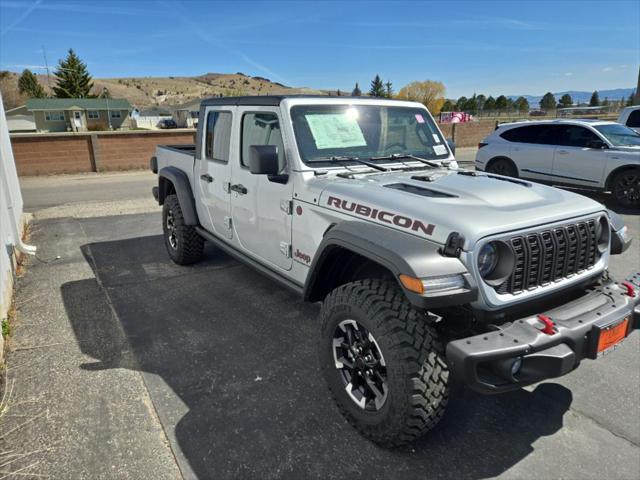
[
  {"x": 167, "y": 123},
  {"x": 590, "y": 154},
  {"x": 630, "y": 117},
  {"x": 427, "y": 274}
]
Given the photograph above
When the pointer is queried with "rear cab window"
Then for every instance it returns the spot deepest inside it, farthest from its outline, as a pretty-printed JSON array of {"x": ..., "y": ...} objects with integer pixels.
[{"x": 218, "y": 136}]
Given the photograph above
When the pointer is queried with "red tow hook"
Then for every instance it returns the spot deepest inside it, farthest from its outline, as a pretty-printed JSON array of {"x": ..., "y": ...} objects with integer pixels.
[
  {"x": 549, "y": 325},
  {"x": 631, "y": 291}
]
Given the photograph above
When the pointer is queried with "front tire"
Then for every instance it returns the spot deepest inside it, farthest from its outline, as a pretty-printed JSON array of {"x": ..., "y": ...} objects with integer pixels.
[
  {"x": 625, "y": 188},
  {"x": 183, "y": 243},
  {"x": 383, "y": 362}
]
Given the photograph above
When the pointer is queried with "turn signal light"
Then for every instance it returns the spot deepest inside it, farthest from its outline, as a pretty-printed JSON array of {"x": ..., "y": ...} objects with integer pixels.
[{"x": 412, "y": 284}]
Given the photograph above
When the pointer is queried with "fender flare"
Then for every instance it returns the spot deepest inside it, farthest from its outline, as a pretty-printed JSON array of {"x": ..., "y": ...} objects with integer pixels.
[
  {"x": 396, "y": 251},
  {"x": 182, "y": 187}
]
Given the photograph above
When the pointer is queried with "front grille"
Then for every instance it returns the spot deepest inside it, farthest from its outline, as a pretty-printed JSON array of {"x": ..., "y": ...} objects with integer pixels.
[{"x": 550, "y": 255}]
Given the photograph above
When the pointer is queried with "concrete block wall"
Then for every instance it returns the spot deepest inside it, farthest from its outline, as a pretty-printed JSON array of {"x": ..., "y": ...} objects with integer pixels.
[{"x": 54, "y": 153}]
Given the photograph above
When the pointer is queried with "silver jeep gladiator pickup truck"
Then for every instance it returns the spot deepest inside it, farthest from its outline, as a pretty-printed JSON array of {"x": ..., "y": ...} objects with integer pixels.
[{"x": 427, "y": 274}]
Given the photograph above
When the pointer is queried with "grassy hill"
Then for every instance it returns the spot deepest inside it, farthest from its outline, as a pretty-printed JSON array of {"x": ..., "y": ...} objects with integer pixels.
[{"x": 149, "y": 91}]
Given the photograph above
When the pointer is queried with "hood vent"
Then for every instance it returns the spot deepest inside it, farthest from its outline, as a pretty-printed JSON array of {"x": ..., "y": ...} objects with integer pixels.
[{"x": 424, "y": 192}]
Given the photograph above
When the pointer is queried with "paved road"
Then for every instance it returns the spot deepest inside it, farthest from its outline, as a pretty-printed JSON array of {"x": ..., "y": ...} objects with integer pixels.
[
  {"x": 210, "y": 371},
  {"x": 53, "y": 191}
]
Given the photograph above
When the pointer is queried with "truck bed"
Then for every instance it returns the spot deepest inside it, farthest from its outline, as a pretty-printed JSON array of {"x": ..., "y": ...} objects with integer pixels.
[{"x": 179, "y": 156}]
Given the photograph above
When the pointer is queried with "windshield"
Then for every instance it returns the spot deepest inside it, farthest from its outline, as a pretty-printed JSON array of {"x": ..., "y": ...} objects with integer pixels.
[
  {"x": 619, "y": 135},
  {"x": 330, "y": 132}
]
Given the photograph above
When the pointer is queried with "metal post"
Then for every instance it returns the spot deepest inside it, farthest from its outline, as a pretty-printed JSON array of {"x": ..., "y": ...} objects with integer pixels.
[{"x": 104, "y": 92}]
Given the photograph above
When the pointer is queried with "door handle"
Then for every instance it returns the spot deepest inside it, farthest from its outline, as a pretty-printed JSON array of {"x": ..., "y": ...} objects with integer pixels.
[
  {"x": 238, "y": 188},
  {"x": 206, "y": 177},
  {"x": 562, "y": 152}
]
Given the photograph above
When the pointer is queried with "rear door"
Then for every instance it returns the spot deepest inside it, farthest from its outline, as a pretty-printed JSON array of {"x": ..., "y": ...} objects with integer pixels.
[
  {"x": 575, "y": 162},
  {"x": 215, "y": 172},
  {"x": 633, "y": 121},
  {"x": 532, "y": 150},
  {"x": 260, "y": 206}
]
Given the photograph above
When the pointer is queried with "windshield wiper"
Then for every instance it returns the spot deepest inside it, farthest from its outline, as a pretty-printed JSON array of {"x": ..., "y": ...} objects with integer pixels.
[
  {"x": 353, "y": 159},
  {"x": 397, "y": 156}
]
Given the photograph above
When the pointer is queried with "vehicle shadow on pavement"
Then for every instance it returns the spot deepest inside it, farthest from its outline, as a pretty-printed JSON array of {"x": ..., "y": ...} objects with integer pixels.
[{"x": 230, "y": 362}]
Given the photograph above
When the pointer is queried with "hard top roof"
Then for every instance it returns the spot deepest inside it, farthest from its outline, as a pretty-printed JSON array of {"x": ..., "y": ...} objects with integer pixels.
[{"x": 274, "y": 100}]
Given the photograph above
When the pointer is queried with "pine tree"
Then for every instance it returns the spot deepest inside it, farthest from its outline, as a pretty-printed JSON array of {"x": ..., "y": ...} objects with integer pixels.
[
  {"x": 356, "y": 91},
  {"x": 377, "y": 87},
  {"x": 28, "y": 85},
  {"x": 521, "y": 104},
  {"x": 630, "y": 99},
  {"x": 388, "y": 89},
  {"x": 73, "y": 79},
  {"x": 502, "y": 104},
  {"x": 489, "y": 104},
  {"x": 548, "y": 102},
  {"x": 565, "y": 101},
  {"x": 338, "y": 93},
  {"x": 595, "y": 99},
  {"x": 461, "y": 104}
]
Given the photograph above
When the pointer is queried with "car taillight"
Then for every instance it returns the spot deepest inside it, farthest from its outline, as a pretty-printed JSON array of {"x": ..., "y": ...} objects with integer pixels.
[{"x": 482, "y": 144}]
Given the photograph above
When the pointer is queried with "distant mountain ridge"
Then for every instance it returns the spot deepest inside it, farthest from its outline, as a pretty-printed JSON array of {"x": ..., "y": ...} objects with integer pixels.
[{"x": 581, "y": 96}]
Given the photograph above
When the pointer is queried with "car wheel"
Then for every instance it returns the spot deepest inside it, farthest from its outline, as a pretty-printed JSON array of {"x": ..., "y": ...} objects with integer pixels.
[
  {"x": 625, "y": 188},
  {"x": 383, "y": 362},
  {"x": 183, "y": 243},
  {"x": 502, "y": 166}
]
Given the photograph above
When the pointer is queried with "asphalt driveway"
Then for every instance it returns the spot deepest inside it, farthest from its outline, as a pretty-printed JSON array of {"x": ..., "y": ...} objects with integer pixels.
[{"x": 210, "y": 371}]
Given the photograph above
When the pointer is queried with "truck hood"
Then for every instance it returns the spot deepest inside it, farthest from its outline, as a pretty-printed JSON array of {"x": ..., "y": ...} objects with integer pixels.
[{"x": 432, "y": 204}]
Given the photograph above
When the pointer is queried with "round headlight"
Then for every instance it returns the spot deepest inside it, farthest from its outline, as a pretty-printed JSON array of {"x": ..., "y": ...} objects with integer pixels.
[{"x": 487, "y": 259}]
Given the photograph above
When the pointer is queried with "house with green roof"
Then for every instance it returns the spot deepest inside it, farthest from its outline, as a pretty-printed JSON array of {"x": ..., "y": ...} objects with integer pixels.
[{"x": 80, "y": 114}]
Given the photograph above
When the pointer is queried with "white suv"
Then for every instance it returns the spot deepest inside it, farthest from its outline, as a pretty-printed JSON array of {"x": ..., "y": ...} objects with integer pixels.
[
  {"x": 630, "y": 117},
  {"x": 589, "y": 154}
]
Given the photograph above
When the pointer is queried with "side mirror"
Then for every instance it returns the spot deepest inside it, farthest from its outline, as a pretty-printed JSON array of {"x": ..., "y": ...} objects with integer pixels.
[
  {"x": 452, "y": 145},
  {"x": 263, "y": 160},
  {"x": 597, "y": 144}
]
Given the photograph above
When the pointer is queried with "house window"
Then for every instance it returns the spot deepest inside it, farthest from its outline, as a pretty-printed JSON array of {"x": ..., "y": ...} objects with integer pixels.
[
  {"x": 116, "y": 114},
  {"x": 54, "y": 116},
  {"x": 93, "y": 114}
]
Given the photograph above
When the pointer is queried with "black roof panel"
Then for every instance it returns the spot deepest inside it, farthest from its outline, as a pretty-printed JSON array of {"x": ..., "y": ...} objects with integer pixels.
[{"x": 268, "y": 100}]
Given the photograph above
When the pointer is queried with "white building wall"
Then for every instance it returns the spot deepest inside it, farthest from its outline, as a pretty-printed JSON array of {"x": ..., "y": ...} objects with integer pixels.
[{"x": 10, "y": 211}]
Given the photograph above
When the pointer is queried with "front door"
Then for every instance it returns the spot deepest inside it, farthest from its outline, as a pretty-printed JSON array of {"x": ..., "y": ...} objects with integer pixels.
[
  {"x": 575, "y": 162},
  {"x": 214, "y": 172},
  {"x": 78, "y": 124},
  {"x": 260, "y": 207}
]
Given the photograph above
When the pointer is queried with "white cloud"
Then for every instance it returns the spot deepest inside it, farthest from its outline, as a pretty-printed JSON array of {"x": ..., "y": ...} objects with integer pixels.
[
  {"x": 568, "y": 74},
  {"x": 607, "y": 69}
]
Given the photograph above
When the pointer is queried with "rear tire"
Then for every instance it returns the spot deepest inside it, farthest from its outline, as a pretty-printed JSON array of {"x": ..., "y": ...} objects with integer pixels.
[
  {"x": 183, "y": 243},
  {"x": 502, "y": 166},
  {"x": 625, "y": 188},
  {"x": 395, "y": 348}
]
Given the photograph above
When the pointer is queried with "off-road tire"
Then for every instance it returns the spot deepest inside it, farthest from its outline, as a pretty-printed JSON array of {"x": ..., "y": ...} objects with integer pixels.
[
  {"x": 186, "y": 246},
  {"x": 502, "y": 166},
  {"x": 417, "y": 373},
  {"x": 625, "y": 188}
]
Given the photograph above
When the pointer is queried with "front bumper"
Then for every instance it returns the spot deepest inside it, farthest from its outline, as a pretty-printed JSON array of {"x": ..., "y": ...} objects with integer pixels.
[{"x": 484, "y": 362}]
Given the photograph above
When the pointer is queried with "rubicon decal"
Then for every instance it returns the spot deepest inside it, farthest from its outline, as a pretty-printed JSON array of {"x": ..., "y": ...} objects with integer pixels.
[{"x": 382, "y": 215}]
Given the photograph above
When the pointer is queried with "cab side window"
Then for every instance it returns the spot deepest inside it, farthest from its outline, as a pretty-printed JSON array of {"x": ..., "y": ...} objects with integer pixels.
[
  {"x": 261, "y": 129},
  {"x": 218, "y": 136},
  {"x": 575, "y": 136},
  {"x": 538, "y": 134}
]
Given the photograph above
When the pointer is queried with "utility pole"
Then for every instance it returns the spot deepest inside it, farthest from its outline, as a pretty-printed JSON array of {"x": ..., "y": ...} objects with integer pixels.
[
  {"x": 106, "y": 97},
  {"x": 46, "y": 65},
  {"x": 636, "y": 99}
]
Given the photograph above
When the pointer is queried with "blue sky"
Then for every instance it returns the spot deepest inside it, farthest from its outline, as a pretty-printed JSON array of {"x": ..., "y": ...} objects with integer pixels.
[{"x": 494, "y": 48}]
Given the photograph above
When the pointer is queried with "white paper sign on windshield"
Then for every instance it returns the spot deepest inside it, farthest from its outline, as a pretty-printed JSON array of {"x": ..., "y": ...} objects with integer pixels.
[{"x": 335, "y": 130}]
